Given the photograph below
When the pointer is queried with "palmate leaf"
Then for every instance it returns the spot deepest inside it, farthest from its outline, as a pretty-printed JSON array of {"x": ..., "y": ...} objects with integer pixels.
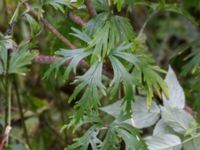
[
  {"x": 74, "y": 57},
  {"x": 115, "y": 132},
  {"x": 150, "y": 76},
  {"x": 20, "y": 58},
  {"x": 91, "y": 81},
  {"x": 16, "y": 62},
  {"x": 131, "y": 137},
  {"x": 58, "y": 4},
  {"x": 127, "y": 133},
  {"x": 106, "y": 31},
  {"x": 81, "y": 35},
  {"x": 111, "y": 140},
  {"x": 89, "y": 138},
  {"x": 101, "y": 5},
  {"x": 120, "y": 73}
]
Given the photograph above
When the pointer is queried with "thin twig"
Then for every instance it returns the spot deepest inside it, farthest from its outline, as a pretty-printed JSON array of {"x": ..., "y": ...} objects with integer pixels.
[
  {"x": 44, "y": 59},
  {"x": 90, "y": 8},
  {"x": 49, "y": 26},
  {"x": 77, "y": 19}
]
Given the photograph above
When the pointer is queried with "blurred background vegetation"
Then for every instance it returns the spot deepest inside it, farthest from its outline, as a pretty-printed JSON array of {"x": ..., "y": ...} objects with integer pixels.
[{"x": 171, "y": 38}]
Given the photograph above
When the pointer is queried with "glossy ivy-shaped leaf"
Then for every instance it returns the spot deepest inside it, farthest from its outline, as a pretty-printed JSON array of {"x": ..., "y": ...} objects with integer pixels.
[
  {"x": 164, "y": 142},
  {"x": 176, "y": 93}
]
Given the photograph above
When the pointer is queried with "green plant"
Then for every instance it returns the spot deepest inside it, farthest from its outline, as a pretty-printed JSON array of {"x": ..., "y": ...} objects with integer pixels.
[{"x": 114, "y": 92}]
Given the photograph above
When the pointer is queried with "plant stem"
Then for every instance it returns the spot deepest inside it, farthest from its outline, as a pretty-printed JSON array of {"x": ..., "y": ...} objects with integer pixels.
[
  {"x": 146, "y": 21},
  {"x": 9, "y": 103},
  {"x": 90, "y": 7},
  {"x": 21, "y": 114},
  {"x": 49, "y": 26},
  {"x": 191, "y": 138}
]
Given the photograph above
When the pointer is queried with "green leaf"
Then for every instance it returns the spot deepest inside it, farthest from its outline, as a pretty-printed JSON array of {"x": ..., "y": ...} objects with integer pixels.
[
  {"x": 164, "y": 142},
  {"x": 74, "y": 57},
  {"x": 142, "y": 117},
  {"x": 91, "y": 81},
  {"x": 20, "y": 58},
  {"x": 179, "y": 120},
  {"x": 89, "y": 138},
  {"x": 111, "y": 140},
  {"x": 192, "y": 143},
  {"x": 120, "y": 73},
  {"x": 101, "y": 5},
  {"x": 58, "y": 4},
  {"x": 3, "y": 58},
  {"x": 113, "y": 109},
  {"x": 81, "y": 35},
  {"x": 150, "y": 75},
  {"x": 162, "y": 128},
  {"x": 168, "y": 7},
  {"x": 194, "y": 63},
  {"x": 34, "y": 103},
  {"x": 34, "y": 25},
  {"x": 107, "y": 31},
  {"x": 119, "y": 4},
  {"x": 130, "y": 137},
  {"x": 127, "y": 133},
  {"x": 176, "y": 93}
]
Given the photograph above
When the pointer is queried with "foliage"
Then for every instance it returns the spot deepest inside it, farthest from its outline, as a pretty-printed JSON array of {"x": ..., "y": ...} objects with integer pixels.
[
  {"x": 108, "y": 91},
  {"x": 176, "y": 126}
]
